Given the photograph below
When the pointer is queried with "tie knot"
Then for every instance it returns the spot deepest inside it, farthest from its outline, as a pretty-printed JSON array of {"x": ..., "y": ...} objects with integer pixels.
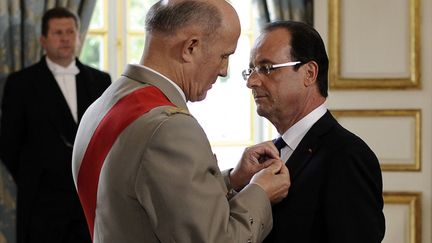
[
  {"x": 71, "y": 70},
  {"x": 279, "y": 143}
]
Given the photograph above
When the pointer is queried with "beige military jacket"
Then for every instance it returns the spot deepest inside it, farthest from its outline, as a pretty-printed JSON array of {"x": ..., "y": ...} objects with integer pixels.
[{"x": 160, "y": 181}]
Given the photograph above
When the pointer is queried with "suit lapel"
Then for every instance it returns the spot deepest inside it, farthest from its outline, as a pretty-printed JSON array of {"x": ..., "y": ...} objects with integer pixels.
[
  {"x": 54, "y": 103},
  {"x": 302, "y": 155},
  {"x": 307, "y": 148},
  {"x": 84, "y": 98}
]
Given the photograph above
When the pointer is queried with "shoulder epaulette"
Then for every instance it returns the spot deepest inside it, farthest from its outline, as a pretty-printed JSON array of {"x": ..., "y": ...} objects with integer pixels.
[{"x": 176, "y": 110}]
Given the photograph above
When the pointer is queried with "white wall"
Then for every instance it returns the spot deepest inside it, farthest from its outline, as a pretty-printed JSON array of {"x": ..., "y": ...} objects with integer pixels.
[{"x": 375, "y": 42}]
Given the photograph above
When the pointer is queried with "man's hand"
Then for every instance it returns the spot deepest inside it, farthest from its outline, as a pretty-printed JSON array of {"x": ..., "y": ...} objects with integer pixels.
[
  {"x": 254, "y": 159},
  {"x": 275, "y": 180}
]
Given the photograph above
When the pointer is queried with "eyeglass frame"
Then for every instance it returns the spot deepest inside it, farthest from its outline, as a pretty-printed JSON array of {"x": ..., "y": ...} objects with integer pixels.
[{"x": 266, "y": 68}]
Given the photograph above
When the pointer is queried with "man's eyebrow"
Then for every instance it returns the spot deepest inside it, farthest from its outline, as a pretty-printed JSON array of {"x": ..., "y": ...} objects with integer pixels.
[{"x": 260, "y": 62}]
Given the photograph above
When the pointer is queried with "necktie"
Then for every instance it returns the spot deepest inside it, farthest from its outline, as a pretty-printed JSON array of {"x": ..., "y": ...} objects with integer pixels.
[
  {"x": 279, "y": 143},
  {"x": 71, "y": 70}
]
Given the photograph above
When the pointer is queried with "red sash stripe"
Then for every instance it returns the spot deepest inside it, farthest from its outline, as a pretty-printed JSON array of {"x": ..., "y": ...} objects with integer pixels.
[{"x": 123, "y": 113}]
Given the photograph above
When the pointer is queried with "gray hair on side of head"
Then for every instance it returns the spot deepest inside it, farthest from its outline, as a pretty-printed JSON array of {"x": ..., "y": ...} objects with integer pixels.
[{"x": 168, "y": 18}]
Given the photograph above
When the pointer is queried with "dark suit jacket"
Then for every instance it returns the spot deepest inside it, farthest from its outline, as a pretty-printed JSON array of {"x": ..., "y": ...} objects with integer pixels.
[
  {"x": 336, "y": 190},
  {"x": 36, "y": 140}
]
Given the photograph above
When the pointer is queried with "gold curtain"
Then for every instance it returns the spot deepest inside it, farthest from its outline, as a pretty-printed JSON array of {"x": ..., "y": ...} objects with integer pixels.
[{"x": 274, "y": 10}]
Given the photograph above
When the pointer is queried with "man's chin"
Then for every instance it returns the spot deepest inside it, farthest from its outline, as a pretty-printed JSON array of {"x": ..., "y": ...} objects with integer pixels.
[
  {"x": 202, "y": 97},
  {"x": 198, "y": 98},
  {"x": 262, "y": 112}
]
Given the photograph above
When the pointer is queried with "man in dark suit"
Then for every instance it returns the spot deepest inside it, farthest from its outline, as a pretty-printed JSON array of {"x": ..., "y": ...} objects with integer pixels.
[
  {"x": 42, "y": 106},
  {"x": 336, "y": 184}
]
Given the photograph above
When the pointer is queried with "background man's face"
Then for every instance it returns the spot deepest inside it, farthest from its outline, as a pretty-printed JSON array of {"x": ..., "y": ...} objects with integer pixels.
[{"x": 61, "y": 41}]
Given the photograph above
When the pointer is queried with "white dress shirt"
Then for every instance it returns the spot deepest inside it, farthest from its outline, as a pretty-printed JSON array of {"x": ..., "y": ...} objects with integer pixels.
[
  {"x": 295, "y": 134},
  {"x": 66, "y": 80}
]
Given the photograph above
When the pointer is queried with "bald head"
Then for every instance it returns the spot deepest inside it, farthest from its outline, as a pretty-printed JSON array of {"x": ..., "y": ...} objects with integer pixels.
[
  {"x": 169, "y": 16},
  {"x": 190, "y": 41}
]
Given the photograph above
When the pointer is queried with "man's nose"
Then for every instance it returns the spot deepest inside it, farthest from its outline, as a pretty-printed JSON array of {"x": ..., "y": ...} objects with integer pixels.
[
  {"x": 223, "y": 72},
  {"x": 253, "y": 80}
]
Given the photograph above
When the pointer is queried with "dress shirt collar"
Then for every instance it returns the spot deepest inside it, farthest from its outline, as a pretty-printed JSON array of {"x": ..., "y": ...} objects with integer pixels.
[
  {"x": 163, "y": 76},
  {"x": 56, "y": 69},
  {"x": 295, "y": 134}
]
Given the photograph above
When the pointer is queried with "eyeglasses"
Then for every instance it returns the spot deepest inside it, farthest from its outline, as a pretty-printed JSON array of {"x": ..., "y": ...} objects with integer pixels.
[{"x": 266, "y": 68}]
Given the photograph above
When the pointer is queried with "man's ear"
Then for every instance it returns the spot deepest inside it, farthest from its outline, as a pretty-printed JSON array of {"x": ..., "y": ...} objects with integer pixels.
[
  {"x": 311, "y": 71},
  {"x": 190, "y": 48}
]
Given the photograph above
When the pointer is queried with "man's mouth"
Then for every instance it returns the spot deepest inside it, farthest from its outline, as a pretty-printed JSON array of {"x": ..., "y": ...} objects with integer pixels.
[{"x": 259, "y": 95}]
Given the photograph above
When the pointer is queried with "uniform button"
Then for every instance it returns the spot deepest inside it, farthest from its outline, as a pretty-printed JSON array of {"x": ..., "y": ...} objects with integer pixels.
[
  {"x": 249, "y": 241},
  {"x": 251, "y": 220}
]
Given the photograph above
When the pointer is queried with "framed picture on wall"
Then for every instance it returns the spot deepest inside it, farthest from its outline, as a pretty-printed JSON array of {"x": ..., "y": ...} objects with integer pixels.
[
  {"x": 394, "y": 135},
  {"x": 402, "y": 211},
  {"x": 377, "y": 50}
]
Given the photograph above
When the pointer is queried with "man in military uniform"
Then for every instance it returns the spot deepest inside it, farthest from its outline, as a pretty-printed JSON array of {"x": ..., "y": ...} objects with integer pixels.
[{"x": 143, "y": 166}]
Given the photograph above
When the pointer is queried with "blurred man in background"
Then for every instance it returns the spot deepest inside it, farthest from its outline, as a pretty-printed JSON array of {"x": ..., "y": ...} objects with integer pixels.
[{"x": 41, "y": 109}]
